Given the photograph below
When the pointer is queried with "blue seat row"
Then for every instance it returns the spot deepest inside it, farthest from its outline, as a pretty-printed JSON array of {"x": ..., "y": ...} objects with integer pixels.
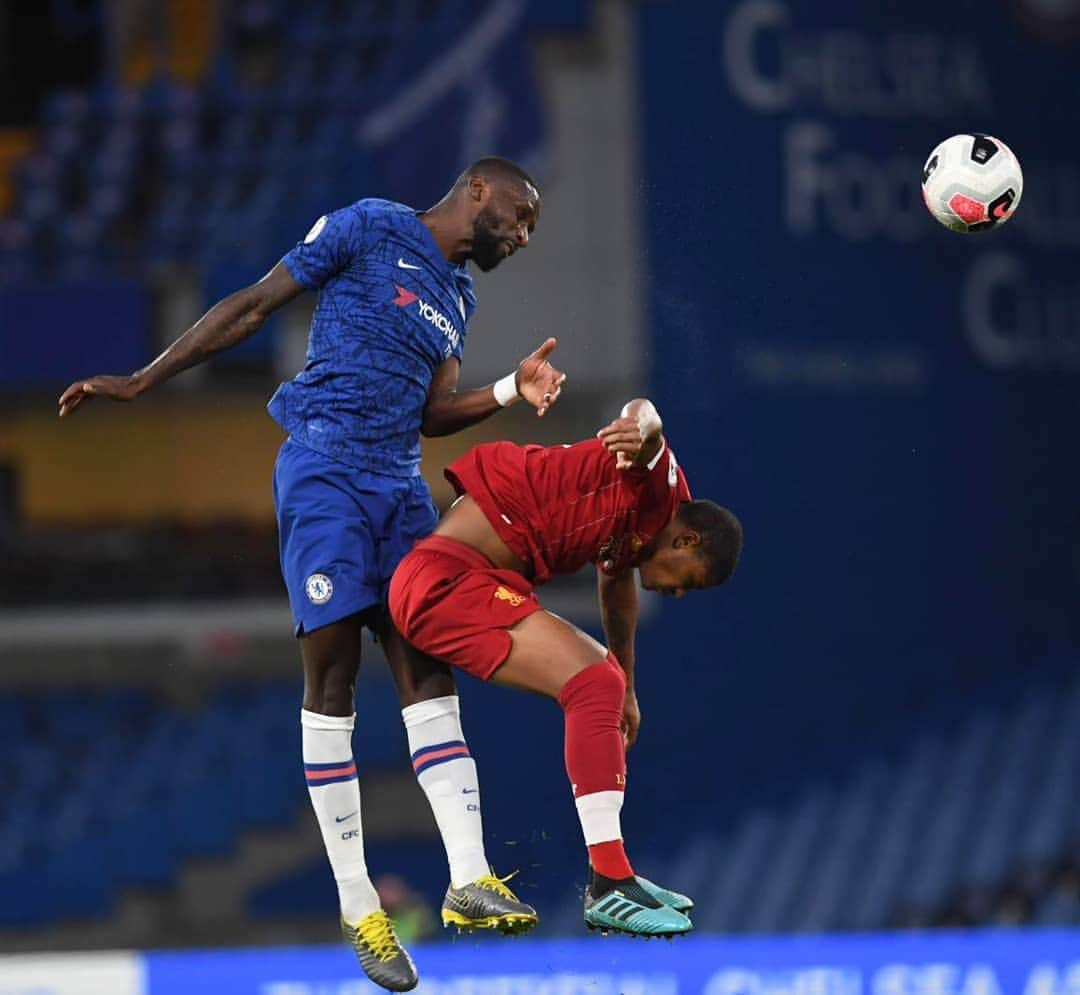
[{"x": 116, "y": 789}]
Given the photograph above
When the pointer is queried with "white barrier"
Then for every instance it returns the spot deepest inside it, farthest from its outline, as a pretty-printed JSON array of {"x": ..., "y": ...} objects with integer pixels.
[{"x": 73, "y": 974}]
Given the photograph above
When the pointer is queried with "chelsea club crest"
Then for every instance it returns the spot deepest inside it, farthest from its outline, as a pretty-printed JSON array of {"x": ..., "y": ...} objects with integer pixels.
[{"x": 320, "y": 589}]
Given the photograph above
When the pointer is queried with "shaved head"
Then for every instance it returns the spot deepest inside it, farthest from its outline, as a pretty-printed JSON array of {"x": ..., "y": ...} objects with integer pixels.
[{"x": 494, "y": 168}]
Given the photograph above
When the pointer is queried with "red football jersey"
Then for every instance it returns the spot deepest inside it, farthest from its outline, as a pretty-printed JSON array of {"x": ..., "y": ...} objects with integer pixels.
[{"x": 559, "y": 507}]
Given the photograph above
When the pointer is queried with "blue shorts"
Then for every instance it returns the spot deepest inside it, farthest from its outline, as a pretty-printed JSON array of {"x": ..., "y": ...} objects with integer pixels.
[{"x": 343, "y": 531}]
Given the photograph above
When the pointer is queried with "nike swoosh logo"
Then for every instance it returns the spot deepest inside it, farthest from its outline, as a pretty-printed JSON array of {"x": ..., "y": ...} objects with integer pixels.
[
  {"x": 345, "y": 818},
  {"x": 404, "y": 265},
  {"x": 469, "y": 791}
]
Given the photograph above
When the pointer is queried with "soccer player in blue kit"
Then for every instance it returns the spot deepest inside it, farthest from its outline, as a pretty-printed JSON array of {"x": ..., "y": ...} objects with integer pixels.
[{"x": 382, "y": 368}]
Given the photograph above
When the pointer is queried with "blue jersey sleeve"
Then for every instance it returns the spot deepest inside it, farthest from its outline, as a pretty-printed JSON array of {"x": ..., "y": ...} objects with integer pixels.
[
  {"x": 333, "y": 242},
  {"x": 467, "y": 305}
]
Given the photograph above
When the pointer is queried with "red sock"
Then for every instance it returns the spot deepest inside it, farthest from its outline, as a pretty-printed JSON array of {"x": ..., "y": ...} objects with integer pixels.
[
  {"x": 592, "y": 701},
  {"x": 610, "y": 860}
]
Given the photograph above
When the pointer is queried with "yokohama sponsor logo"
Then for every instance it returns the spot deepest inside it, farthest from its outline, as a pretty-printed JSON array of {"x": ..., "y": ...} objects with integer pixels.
[
  {"x": 438, "y": 319},
  {"x": 428, "y": 313}
]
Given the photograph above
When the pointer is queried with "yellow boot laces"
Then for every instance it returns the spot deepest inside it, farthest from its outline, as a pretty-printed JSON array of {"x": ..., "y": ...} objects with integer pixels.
[
  {"x": 498, "y": 885},
  {"x": 377, "y": 931}
]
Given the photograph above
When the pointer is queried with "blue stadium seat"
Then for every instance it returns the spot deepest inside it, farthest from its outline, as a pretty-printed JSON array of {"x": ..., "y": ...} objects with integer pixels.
[
  {"x": 65, "y": 108},
  {"x": 14, "y": 840},
  {"x": 873, "y": 894},
  {"x": 117, "y": 104},
  {"x": 310, "y": 891},
  {"x": 63, "y": 143},
  {"x": 40, "y": 207},
  {"x": 770, "y": 906},
  {"x": 742, "y": 863},
  {"x": 903, "y": 837},
  {"x": 82, "y": 231},
  {"x": 113, "y": 165},
  {"x": 312, "y": 32},
  {"x": 1007, "y": 796},
  {"x": 165, "y": 99},
  {"x": 841, "y": 855},
  {"x": 1059, "y": 908}
]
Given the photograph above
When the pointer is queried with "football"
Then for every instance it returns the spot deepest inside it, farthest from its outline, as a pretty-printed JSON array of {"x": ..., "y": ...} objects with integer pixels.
[{"x": 972, "y": 183}]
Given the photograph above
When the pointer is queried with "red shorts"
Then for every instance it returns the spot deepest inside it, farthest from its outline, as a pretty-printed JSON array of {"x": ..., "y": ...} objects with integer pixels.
[{"x": 451, "y": 602}]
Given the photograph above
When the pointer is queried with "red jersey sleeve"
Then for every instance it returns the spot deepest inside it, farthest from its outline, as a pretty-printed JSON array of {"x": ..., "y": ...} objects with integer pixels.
[
  {"x": 653, "y": 495},
  {"x": 664, "y": 467}
]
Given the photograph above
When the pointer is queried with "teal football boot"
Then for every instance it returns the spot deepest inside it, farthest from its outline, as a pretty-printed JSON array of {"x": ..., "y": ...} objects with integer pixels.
[
  {"x": 672, "y": 899},
  {"x": 629, "y": 908}
]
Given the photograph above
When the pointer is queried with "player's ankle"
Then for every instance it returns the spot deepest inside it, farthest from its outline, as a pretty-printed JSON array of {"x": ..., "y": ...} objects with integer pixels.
[
  {"x": 609, "y": 858},
  {"x": 600, "y": 885}
]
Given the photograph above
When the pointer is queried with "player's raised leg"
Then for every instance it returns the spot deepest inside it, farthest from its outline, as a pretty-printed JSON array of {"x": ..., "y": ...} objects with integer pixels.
[
  {"x": 552, "y": 657},
  {"x": 476, "y": 898},
  {"x": 331, "y": 658},
  {"x": 325, "y": 516}
]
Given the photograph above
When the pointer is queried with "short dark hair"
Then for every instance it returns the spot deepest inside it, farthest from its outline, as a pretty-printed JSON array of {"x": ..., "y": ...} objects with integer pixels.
[
  {"x": 494, "y": 167},
  {"x": 721, "y": 536}
]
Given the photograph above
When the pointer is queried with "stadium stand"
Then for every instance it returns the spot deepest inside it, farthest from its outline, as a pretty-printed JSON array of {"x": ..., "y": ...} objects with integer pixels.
[
  {"x": 944, "y": 834},
  {"x": 125, "y": 179},
  {"x": 971, "y": 824},
  {"x": 115, "y": 789}
]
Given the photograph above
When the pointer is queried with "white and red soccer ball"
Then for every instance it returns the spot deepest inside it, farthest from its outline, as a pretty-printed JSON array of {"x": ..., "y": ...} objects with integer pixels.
[{"x": 972, "y": 183}]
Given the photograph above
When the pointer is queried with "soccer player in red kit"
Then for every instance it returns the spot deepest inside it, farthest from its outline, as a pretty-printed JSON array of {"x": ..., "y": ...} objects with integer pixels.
[{"x": 465, "y": 595}]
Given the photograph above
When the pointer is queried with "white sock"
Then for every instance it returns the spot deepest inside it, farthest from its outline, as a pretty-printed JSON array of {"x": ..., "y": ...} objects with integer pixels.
[
  {"x": 335, "y": 795},
  {"x": 599, "y": 816},
  {"x": 447, "y": 773}
]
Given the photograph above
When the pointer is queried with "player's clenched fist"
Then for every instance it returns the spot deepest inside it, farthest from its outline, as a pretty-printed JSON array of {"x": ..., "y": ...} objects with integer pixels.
[
  {"x": 537, "y": 380},
  {"x": 634, "y": 437}
]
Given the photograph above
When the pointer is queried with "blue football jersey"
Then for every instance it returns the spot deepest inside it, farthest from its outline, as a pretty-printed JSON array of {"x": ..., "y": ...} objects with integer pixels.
[{"x": 391, "y": 309}]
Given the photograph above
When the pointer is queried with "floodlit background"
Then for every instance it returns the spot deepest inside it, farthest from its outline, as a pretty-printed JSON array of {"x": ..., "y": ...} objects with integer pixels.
[{"x": 875, "y": 726}]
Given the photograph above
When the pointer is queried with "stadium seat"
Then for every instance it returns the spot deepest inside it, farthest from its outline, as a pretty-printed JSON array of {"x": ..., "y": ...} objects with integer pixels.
[
  {"x": 962, "y": 810},
  {"x": 1057, "y": 909},
  {"x": 770, "y": 904}
]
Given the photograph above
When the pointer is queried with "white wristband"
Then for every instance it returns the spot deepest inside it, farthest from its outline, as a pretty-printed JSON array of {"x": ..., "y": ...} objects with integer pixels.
[{"x": 506, "y": 390}]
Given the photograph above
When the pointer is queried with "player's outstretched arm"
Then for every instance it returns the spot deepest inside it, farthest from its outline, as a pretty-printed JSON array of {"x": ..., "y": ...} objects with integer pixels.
[
  {"x": 228, "y": 322},
  {"x": 449, "y": 410},
  {"x": 618, "y": 614},
  {"x": 635, "y": 437}
]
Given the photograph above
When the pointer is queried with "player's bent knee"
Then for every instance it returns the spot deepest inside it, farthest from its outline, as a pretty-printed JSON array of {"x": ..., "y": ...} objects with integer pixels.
[
  {"x": 330, "y": 699},
  {"x": 600, "y": 685},
  {"x": 620, "y": 674}
]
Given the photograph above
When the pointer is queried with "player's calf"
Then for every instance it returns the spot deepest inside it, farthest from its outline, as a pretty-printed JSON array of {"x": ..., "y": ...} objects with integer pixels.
[
  {"x": 447, "y": 775},
  {"x": 596, "y": 761}
]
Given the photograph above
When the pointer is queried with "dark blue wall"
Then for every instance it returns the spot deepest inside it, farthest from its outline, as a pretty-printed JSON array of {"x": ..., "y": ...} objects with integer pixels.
[{"x": 891, "y": 408}]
